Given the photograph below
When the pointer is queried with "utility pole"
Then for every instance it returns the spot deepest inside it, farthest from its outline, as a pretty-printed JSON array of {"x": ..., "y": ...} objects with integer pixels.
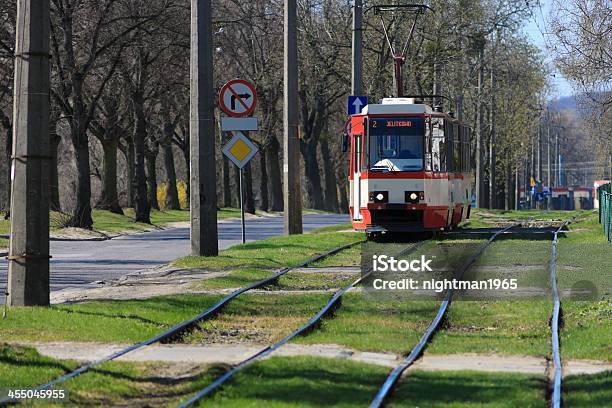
[
  {"x": 291, "y": 143},
  {"x": 357, "y": 68},
  {"x": 203, "y": 183},
  {"x": 28, "y": 273},
  {"x": 492, "y": 151},
  {"x": 480, "y": 131},
  {"x": 548, "y": 164}
]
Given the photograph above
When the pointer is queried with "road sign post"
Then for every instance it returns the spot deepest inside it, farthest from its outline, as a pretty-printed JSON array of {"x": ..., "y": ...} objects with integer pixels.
[
  {"x": 240, "y": 150},
  {"x": 242, "y": 208}
]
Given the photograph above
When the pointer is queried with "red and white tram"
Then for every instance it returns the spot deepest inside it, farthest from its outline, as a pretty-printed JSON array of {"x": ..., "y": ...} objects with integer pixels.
[{"x": 410, "y": 168}]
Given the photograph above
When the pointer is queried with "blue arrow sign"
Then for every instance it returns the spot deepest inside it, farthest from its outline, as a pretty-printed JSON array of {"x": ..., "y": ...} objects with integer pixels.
[{"x": 356, "y": 104}]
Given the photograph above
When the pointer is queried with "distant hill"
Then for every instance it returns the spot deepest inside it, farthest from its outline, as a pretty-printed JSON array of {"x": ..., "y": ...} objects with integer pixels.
[{"x": 564, "y": 103}]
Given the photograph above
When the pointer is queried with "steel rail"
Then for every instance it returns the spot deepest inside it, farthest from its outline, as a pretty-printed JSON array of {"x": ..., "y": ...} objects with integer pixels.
[
  {"x": 555, "y": 401},
  {"x": 268, "y": 350},
  {"x": 187, "y": 323},
  {"x": 395, "y": 375}
]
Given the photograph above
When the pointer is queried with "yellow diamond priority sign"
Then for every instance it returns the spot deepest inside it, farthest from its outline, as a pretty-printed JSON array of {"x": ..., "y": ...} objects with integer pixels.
[{"x": 240, "y": 150}]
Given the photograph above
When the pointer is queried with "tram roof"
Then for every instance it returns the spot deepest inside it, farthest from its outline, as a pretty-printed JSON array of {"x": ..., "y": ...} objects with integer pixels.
[{"x": 389, "y": 107}]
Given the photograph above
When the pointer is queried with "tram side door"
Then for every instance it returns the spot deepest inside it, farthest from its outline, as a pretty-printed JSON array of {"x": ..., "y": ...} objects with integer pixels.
[{"x": 357, "y": 157}]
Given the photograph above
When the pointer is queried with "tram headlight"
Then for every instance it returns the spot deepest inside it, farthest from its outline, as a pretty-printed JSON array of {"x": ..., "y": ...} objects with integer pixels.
[
  {"x": 413, "y": 197},
  {"x": 379, "y": 196}
]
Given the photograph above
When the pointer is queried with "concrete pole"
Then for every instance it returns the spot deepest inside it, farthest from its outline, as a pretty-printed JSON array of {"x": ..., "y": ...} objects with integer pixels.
[
  {"x": 356, "y": 74},
  {"x": 291, "y": 143},
  {"x": 28, "y": 283},
  {"x": 203, "y": 183},
  {"x": 548, "y": 164},
  {"x": 492, "y": 145},
  {"x": 480, "y": 132}
]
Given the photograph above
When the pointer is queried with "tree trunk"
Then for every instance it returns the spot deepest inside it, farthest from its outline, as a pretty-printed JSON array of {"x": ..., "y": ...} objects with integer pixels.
[
  {"x": 187, "y": 174},
  {"x": 130, "y": 158},
  {"x": 274, "y": 174},
  {"x": 151, "y": 160},
  {"x": 109, "y": 199},
  {"x": 264, "y": 203},
  {"x": 227, "y": 189},
  {"x": 82, "y": 213},
  {"x": 342, "y": 187},
  {"x": 54, "y": 198},
  {"x": 172, "y": 200},
  {"x": 142, "y": 207},
  {"x": 331, "y": 188},
  {"x": 80, "y": 142},
  {"x": 249, "y": 200},
  {"x": 314, "y": 196}
]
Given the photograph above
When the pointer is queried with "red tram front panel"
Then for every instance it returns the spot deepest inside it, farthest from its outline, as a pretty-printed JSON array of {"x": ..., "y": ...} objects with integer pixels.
[{"x": 404, "y": 175}]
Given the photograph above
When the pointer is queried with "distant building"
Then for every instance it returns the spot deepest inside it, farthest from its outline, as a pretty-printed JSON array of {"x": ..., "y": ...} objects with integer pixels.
[{"x": 596, "y": 185}]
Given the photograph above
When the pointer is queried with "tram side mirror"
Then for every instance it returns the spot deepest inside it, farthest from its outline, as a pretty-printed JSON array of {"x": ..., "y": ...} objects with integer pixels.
[{"x": 345, "y": 142}]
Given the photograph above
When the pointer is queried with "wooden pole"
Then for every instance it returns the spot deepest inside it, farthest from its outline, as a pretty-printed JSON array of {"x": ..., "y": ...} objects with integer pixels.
[{"x": 291, "y": 143}]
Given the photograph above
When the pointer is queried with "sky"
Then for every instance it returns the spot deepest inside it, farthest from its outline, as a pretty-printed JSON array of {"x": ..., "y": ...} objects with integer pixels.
[{"x": 535, "y": 30}]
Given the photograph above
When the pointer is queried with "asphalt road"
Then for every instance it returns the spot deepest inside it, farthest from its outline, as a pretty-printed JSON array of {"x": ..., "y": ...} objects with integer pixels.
[{"x": 79, "y": 263}]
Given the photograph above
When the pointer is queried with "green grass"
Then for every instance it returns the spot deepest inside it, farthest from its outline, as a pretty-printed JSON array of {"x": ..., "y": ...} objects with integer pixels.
[
  {"x": 584, "y": 255},
  {"x": 317, "y": 382},
  {"x": 300, "y": 382},
  {"x": 594, "y": 390},
  {"x": 469, "y": 389},
  {"x": 587, "y": 330},
  {"x": 101, "y": 321},
  {"x": 110, "y": 384},
  {"x": 270, "y": 253},
  {"x": 501, "y": 327},
  {"x": 111, "y": 223}
]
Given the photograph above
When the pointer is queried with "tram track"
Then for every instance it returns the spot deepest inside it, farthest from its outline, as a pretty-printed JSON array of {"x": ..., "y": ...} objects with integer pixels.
[
  {"x": 393, "y": 377},
  {"x": 554, "y": 385},
  {"x": 180, "y": 329},
  {"x": 555, "y": 397},
  {"x": 310, "y": 325}
]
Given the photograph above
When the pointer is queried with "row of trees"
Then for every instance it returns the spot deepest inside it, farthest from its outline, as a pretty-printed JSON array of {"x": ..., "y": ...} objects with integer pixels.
[{"x": 120, "y": 94}]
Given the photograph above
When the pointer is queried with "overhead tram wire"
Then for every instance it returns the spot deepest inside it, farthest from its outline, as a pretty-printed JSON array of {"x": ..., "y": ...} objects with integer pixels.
[
  {"x": 395, "y": 375},
  {"x": 181, "y": 327}
]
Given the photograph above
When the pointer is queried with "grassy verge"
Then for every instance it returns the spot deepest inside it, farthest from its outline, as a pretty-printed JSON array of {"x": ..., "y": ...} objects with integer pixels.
[
  {"x": 129, "y": 321},
  {"x": 101, "y": 321},
  {"x": 593, "y": 390},
  {"x": 111, "y": 384},
  {"x": 584, "y": 255},
  {"x": 501, "y": 327},
  {"x": 312, "y": 382},
  {"x": 111, "y": 223},
  {"x": 271, "y": 253}
]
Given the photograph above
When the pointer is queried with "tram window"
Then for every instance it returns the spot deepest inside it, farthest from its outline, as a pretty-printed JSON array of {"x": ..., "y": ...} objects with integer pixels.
[
  {"x": 396, "y": 144},
  {"x": 456, "y": 149},
  {"x": 438, "y": 145},
  {"x": 364, "y": 159},
  {"x": 428, "y": 144}
]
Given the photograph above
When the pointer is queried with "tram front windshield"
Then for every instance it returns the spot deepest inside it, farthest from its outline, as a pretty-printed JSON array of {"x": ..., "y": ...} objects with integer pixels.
[{"x": 396, "y": 144}]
